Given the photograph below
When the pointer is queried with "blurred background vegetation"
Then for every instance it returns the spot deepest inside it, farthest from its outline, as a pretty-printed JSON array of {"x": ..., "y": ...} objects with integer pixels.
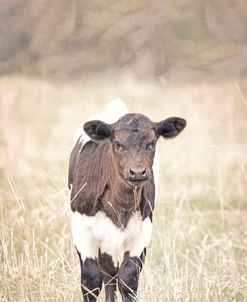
[
  {"x": 63, "y": 61},
  {"x": 176, "y": 40}
]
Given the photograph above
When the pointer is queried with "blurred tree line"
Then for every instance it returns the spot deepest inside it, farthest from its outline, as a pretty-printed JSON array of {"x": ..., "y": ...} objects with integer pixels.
[{"x": 171, "y": 39}]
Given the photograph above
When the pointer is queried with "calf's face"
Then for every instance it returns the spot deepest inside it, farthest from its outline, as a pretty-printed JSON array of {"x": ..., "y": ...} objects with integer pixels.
[
  {"x": 133, "y": 140},
  {"x": 133, "y": 154}
]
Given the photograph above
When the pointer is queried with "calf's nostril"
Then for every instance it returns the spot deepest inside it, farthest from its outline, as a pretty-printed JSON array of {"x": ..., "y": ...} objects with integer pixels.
[
  {"x": 132, "y": 173},
  {"x": 144, "y": 172}
]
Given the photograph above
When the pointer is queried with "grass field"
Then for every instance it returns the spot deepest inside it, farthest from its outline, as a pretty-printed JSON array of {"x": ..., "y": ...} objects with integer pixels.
[{"x": 199, "y": 245}]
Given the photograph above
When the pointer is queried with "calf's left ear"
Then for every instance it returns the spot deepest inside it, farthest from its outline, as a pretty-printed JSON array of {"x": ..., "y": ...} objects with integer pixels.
[
  {"x": 97, "y": 130},
  {"x": 170, "y": 127}
]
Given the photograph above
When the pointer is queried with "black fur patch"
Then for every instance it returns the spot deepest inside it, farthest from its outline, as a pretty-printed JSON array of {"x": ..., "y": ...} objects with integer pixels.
[
  {"x": 171, "y": 127},
  {"x": 110, "y": 276},
  {"x": 128, "y": 276},
  {"x": 97, "y": 130},
  {"x": 91, "y": 279}
]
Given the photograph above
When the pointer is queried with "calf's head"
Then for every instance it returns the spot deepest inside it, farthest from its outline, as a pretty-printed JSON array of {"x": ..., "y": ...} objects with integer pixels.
[{"x": 133, "y": 140}]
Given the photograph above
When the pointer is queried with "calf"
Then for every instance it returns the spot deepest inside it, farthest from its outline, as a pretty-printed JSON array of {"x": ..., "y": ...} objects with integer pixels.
[{"x": 112, "y": 200}]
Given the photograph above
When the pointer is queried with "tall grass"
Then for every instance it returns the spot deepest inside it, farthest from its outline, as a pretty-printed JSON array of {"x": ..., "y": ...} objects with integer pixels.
[{"x": 199, "y": 245}]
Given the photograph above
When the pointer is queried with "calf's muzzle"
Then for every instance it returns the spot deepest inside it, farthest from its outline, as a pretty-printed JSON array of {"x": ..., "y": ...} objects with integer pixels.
[{"x": 136, "y": 175}]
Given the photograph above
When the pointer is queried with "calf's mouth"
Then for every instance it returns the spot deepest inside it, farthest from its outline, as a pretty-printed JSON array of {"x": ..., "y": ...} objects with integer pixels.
[{"x": 136, "y": 182}]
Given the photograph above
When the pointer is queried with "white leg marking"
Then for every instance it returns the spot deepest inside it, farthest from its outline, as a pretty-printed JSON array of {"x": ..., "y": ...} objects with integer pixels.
[{"x": 83, "y": 238}]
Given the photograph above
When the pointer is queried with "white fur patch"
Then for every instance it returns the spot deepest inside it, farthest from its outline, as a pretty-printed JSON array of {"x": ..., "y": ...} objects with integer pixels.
[
  {"x": 156, "y": 165},
  {"x": 139, "y": 233},
  {"x": 91, "y": 233},
  {"x": 85, "y": 243}
]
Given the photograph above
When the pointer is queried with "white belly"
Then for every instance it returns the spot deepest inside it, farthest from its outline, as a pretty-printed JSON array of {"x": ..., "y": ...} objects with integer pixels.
[{"x": 91, "y": 233}]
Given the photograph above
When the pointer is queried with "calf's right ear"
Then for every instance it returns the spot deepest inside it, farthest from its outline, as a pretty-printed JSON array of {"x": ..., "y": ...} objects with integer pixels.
[{"x": 97, "y": 130}]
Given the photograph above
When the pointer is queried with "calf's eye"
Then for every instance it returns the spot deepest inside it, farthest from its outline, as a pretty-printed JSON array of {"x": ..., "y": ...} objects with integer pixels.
[
  {"x": 151, "y": 145},
  {"x": 118, "y": 146}
]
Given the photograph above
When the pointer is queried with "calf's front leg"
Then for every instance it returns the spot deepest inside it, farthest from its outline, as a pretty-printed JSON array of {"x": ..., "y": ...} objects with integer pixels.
[
  {"x": 91, "y": 279},
  {"x": 128, "y": 276},
  {"x": 87, "y": 247}
]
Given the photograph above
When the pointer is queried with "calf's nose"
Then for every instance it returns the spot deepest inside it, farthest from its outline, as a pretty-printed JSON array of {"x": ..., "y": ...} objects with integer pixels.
[{"x": 138, "y": 173}]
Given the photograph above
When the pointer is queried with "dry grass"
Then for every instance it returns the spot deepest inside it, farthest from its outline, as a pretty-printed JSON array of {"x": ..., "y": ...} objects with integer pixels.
[{"x": 199, "y": 245}]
